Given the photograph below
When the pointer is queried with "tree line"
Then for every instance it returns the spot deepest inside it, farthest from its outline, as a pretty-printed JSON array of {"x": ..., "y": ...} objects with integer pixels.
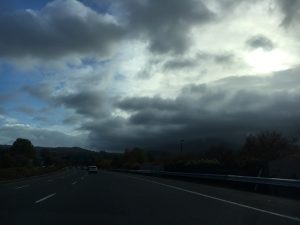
[
  {"x": 251, "y": 159},
  {"x": 253, "y": 156}
]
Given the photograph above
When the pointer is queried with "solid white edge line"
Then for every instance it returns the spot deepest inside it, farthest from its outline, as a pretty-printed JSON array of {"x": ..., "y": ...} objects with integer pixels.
[
  {"x": 75, "y": 182},
  {"x": 219, "y": 199},
  {"x": 23, "y": 186},
  {"x": 43, "y": 199}
]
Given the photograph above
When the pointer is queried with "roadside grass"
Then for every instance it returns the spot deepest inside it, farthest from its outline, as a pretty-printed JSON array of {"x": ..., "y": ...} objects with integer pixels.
[{"x": 22, "y": 172}]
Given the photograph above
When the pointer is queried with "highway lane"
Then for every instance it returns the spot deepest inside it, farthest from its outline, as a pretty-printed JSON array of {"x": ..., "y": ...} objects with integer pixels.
[
  {"x": 17, "y": 196},
  {"x": 73, "y": 197}
]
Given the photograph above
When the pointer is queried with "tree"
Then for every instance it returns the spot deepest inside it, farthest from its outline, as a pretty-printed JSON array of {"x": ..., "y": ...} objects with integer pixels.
[
  {"x": 6, "y": 160},
  {"x": 23, "y": 147},
  {"x": 134, "y": 158},
  {"x": 266, "y": 145},
  {"x": 23, "y": 152},
  {"x": 47, "y": 158}
]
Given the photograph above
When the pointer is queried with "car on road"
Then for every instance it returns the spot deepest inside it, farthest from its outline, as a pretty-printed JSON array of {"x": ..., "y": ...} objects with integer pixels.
[{"x": 92, "y": 169}]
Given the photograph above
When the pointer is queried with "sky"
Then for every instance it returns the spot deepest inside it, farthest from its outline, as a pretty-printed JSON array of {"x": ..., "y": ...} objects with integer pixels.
[{"x": 109, "y": 75}]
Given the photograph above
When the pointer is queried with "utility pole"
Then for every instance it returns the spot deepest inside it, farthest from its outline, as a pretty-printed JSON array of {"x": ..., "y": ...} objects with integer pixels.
[{"x": 181, "y": 145}]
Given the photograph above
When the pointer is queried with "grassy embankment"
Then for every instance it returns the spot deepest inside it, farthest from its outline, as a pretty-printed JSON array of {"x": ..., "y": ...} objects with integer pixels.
[{"x": 22, "y": 172}]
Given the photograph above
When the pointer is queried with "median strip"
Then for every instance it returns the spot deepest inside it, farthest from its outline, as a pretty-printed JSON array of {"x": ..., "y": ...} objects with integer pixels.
[{"x": 43, "y": 199}]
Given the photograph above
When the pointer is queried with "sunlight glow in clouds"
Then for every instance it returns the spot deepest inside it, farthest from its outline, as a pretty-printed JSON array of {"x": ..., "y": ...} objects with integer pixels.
[{"x": 268, "y": 61}]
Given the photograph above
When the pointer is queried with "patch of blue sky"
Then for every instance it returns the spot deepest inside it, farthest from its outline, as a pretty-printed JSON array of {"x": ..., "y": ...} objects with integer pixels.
[
  {"x": 98, "y": 6},
  {"x": 19, "y": 116},
  {"x": 59, "y": 86},
  {"x": 91, "y": 61},
  {"x": 53, "y": 116},
  {"x": 11, "y": 80},
  {"x": 119, "y": 77},
  {"x": 13, "y": 5},
  {"x": 22, "y": 100}
]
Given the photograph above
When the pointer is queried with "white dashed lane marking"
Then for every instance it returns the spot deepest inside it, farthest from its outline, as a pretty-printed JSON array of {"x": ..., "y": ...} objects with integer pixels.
[
  {"x": 45, "y": 198},
  {"x": 23, "y": 186}
]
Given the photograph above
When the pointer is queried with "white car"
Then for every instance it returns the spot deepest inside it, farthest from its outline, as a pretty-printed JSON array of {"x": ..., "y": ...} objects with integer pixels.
[{"x": 92, "y": 169}]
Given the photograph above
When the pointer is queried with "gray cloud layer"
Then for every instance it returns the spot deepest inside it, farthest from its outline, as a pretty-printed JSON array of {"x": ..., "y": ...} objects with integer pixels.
[
  {"x": 61, "y": 28},
  {"x": 225, "y": 110},
  {"x": 290, "y": 9},
  {"x": 66, "y": 27},
  {"x": 87, "y": 103},
  {"x": 166, "y": 24},
  {"x": 39, "y": 136},
  {"x": 260, "y": 41},
  {"x": 198, "y": 59}
]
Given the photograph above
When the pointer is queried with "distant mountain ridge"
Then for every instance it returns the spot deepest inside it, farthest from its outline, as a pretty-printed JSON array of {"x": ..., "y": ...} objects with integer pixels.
[
  {"x": 70, "y": 149},
  {"x": 62, "y": 149},
  {"x": 4, "y": 147}
]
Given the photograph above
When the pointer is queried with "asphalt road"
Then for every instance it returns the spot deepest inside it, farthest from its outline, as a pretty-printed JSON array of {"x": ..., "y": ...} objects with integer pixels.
[{"x": 73, "y": 197}]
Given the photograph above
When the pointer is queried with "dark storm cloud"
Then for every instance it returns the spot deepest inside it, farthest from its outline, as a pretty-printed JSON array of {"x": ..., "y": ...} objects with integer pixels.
[
  {"x": 181, "y": 63},
  {"x": 70, "y": 120},
  {"x": 66, "y": 27},
  {"x": 225, "y": 110},
  {"x": 288, "y": 79},
  {"x": 135, "y": 104},
  {"x": 166, "y": 24},
  {"x": 87, "y": 103},
  {"x": 260, "y": 41},
  {"x": 224, "y": 58},
  {"x": 61, "y": 28},
  {"x": 290, "y": 9}
]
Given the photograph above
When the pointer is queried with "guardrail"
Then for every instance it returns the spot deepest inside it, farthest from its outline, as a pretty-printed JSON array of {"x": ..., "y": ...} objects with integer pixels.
[{"x": 245, "y": 179}]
